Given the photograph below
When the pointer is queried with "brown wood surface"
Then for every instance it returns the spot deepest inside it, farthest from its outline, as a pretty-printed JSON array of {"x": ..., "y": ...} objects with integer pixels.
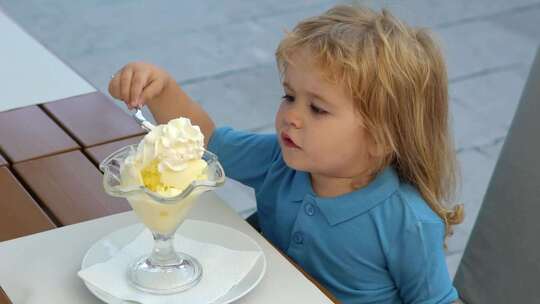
[
  {"x": 3, "y": 161},
  {"x": 28, "y": 133},
  {"x": 99, "y": 153},
  {"x": 20, "y": 215},
  {"x": 3, "y": 297},
  {"x": 93, "y": 119},
  {"x": 70, "y": 186}
]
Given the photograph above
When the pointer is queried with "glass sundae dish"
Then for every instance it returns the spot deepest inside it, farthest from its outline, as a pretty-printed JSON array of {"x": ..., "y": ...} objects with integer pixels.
[{"x": 161, "y": 178}]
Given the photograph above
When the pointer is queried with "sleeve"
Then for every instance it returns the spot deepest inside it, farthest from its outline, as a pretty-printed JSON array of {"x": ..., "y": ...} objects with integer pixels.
[
  {"x": 418, "y": 266},
  {"x": 245, "y": 157}
]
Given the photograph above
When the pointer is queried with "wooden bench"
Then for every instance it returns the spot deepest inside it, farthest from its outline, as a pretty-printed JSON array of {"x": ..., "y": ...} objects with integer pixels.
[
  {"x": 92, "y": 119},
  {"x": 28, "y": 133},
  {"x": 47, "y": 179}
]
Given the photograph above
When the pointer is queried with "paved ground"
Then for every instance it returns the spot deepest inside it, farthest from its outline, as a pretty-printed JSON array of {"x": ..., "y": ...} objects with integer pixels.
[{"x": 222, "y": 54}]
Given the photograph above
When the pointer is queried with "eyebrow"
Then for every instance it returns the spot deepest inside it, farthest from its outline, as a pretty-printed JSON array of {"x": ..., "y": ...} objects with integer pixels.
[{"x": 321, "y": 98}]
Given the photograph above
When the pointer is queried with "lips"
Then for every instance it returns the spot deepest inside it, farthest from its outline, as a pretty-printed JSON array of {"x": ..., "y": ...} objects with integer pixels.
[{"x": 287, "y": 141}]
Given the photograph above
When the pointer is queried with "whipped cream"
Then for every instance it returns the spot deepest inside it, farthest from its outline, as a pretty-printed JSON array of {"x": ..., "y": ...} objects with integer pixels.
[
  {"x": 168, "y": 158},
  {"x": 172, "y": 145}
]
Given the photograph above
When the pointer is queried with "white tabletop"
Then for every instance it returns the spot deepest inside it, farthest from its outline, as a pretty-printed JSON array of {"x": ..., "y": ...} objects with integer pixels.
[
  {"x": 29, "y": 73},
  {"x": 42, "y": 268}
]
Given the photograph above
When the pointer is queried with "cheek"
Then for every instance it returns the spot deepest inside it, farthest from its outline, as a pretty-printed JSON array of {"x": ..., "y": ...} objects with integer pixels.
[
  {"x": 321, "y": 145},
  {"x": 341, "y": 144},
  {"x": 279, "y": 116}
]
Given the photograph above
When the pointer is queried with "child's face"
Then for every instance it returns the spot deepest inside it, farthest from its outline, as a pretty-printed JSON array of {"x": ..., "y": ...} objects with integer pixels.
[{"x": 318, "y": 128}]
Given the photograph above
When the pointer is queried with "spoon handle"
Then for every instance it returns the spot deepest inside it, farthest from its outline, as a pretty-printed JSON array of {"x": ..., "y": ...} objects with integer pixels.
[{"x": 141, "y": 120}]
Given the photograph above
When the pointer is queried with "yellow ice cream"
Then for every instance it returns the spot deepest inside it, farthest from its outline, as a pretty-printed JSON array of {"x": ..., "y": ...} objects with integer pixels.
[
  {"x": 167, "y": 161},
  {"x": 170, "y": 182}
]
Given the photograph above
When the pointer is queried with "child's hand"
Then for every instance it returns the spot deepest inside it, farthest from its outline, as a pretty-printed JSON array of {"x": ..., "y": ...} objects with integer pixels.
[{"x": 138, "y": 83}]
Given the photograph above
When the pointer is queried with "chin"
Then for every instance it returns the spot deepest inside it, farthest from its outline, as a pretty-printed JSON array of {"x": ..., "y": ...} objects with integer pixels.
[{"x": 293, "y": 162}]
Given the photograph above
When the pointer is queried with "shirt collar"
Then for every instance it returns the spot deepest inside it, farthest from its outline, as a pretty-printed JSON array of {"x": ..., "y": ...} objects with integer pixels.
[
  {"x": 344, "y": 207},
  {"x": 300, "y": 187}
]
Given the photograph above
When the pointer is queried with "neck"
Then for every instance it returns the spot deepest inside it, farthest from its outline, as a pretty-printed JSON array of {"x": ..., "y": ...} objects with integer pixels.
[{"x": 331, "y": 186}]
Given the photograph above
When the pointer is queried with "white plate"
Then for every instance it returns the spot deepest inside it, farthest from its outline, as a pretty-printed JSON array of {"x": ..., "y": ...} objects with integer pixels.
[{"x": 201, "y": 231}]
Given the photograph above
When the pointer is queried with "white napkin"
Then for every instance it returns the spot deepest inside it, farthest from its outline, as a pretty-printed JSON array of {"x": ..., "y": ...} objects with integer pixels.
[{"x": 223, "y": 268}]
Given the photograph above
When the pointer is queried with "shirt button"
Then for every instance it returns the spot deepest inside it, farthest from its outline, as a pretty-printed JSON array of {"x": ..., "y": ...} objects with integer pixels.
[
  {"x": 298, "y": 238},
  {"x": 309, "y": 208}
]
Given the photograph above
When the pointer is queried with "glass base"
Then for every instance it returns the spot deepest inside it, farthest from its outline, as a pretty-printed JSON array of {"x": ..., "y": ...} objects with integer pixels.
[{"x": 179, "y": 276}]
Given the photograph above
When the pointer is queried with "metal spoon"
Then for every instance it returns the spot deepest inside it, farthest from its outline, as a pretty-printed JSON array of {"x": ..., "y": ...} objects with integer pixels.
[{"x": 141, "y": 120}]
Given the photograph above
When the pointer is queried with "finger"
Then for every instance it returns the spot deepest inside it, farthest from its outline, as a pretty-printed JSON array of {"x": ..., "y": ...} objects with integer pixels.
[
  {"x": 138, "y": 82},
  {"x": 125, "y": 83},
  {"x": 150, "y": 91},
  {"x": 114, "y": 86}
]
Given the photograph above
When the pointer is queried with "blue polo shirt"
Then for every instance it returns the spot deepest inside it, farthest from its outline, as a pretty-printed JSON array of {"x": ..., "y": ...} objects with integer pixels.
[{"x": 379, "y": 244}]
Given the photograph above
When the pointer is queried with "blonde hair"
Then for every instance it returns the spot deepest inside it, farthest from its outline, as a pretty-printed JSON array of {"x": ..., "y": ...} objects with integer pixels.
[{"x": 397, "y": 77}]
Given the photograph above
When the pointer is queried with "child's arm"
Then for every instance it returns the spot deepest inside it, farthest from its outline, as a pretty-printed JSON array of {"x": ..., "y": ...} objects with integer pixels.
[
  {"x": 140, "y": 83},
  {"x": 417, "y": 264}
]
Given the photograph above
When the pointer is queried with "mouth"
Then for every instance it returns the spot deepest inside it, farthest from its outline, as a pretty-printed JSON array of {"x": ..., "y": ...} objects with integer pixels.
[{"x": 287, "y": 141}]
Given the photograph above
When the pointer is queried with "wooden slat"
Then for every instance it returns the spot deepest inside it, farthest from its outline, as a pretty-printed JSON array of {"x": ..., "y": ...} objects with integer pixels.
[
  {"x": 4, "y": 299},
  {"x": 28, "y": 133},
  {"x": 99, "y": 153},
  {"x": 93, "y": 119},
  {"x": 70, "y": 186},
  {"x": 20, "y": 215}
]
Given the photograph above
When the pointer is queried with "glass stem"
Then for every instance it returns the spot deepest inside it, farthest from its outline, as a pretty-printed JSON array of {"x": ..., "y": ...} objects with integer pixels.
[{"x": 163, "y": 253}]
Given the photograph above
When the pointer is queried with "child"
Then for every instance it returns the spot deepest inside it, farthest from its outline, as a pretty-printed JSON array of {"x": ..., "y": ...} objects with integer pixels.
[{"x": 352, "y": 186}]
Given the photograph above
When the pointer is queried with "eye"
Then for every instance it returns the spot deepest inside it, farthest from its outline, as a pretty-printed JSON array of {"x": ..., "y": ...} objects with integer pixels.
[
  {"x": 317, "y": 110},
  {"x": 287, "y": 98}
]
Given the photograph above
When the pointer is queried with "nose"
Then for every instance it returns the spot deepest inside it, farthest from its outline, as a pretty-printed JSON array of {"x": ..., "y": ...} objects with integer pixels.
[{"x": 292, "y": 116}]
